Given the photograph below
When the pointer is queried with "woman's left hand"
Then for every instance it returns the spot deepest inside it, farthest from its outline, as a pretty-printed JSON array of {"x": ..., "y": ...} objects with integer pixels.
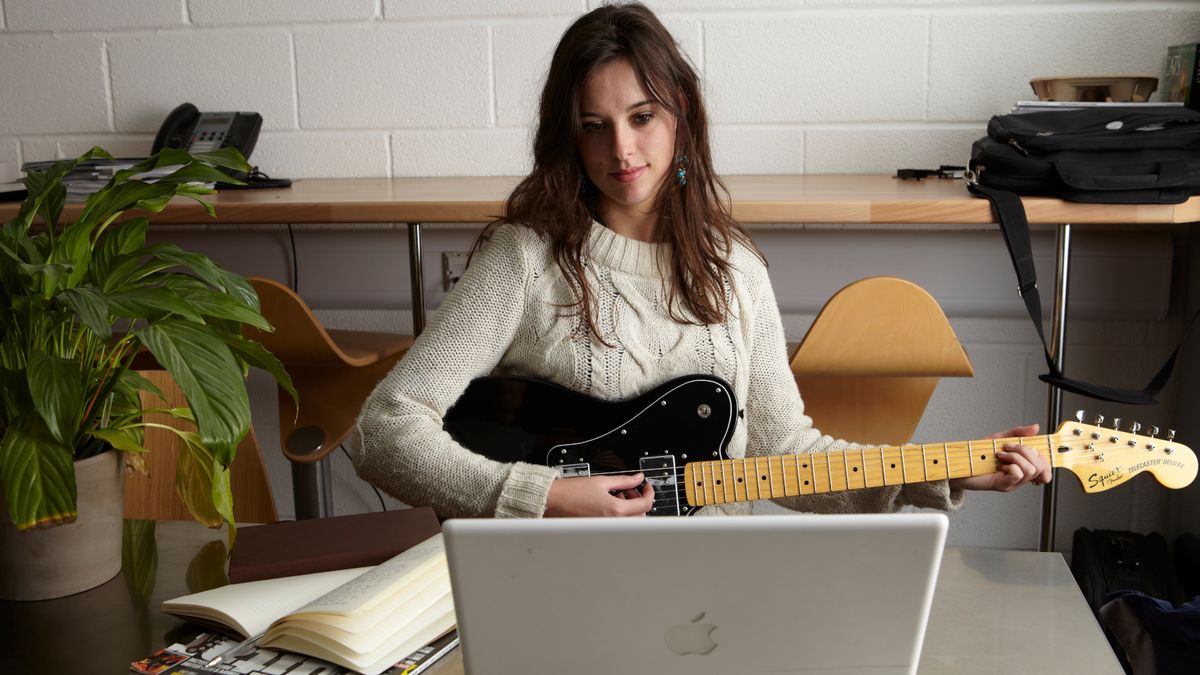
[{"x": 1019, "y": 464}]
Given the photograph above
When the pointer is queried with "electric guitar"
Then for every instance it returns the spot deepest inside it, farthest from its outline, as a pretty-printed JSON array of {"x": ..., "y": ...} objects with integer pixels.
[{"x": 676, "y": 435}]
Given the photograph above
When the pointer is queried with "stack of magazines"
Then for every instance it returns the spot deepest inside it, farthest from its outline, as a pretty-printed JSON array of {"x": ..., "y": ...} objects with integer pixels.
[{"x": 88, "y": 177}]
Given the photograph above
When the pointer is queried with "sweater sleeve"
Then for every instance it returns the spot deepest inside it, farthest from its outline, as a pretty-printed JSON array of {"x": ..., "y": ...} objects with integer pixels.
[
  {"x": 776, "y": 423},
  {"x": 399, "y": 443}
]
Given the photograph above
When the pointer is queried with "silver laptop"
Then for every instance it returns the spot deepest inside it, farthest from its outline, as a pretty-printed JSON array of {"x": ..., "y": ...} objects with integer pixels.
[{"x": 808, "y": 594}]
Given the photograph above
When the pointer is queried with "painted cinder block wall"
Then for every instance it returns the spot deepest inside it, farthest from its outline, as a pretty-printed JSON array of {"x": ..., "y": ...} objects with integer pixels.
[{"x": 369, "y": 88}]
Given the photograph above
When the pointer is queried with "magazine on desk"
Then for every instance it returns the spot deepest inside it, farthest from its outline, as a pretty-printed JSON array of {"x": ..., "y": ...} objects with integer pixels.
[
  {"x": 363, "y": 619},
  {"x": 193, "y": 658}
]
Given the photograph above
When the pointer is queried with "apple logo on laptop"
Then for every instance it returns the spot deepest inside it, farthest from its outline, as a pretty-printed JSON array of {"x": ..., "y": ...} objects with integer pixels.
[{"x": 691, "y": 638}]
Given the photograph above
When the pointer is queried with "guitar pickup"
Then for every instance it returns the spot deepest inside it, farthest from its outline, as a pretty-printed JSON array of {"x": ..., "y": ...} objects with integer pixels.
[
  {"x": 573, "y": 470},
  {"x": 659, "y": 470}
]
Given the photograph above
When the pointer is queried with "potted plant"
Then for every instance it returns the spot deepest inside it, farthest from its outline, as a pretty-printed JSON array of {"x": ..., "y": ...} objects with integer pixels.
[{"x": 78, "y": 301}]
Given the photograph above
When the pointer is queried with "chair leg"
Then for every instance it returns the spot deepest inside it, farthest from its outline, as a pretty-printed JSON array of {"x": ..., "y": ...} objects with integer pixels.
[
  {"x": 312, "y": 482},
  {"x": 312, "y": 485}
]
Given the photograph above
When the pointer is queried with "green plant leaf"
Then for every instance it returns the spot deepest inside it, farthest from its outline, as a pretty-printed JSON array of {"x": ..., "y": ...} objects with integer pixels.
[
  {"x": 222, "y": 306},
  {"x": 117, "y": 243},
  {"x": 151, "y": 303},
  {"x": 200, "y": 265},
  {"x": 90, "y": 305},
  {"x": 210, "y": 378},
  {"x": 196, "y": 475},
  {"x": 38, "y": 475},
  {"x": 257, "y": 355},
  {"x": 121, "y": 439},
  {"x": 132, "y": 382},
  {"x": 56, "y": 385},
  {"x": 228, "y": 157}
]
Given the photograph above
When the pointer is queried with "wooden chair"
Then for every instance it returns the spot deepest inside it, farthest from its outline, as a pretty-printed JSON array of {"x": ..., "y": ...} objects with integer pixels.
[
  {"x": 334, "y": 371},
  {"x": 871, "y": 359},
  {"x": 153, "y": 496}
]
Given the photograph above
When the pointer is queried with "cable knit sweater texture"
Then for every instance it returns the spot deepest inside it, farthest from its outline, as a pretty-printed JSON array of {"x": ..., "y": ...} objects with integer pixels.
[{"x": 510, "y": 314}]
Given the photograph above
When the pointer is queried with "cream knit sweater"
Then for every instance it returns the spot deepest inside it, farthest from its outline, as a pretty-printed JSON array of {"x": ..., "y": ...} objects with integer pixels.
[{"x": 506, "y": 316}]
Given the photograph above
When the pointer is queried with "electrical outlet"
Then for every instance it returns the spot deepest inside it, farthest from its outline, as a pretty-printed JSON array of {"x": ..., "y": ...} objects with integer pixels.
[{"x": 454, "y": 263}]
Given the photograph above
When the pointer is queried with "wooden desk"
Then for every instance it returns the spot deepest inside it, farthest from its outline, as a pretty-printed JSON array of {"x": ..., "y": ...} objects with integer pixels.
[
  {"x": 994, "y": 611},
  {"x": 792, "y": 199}
]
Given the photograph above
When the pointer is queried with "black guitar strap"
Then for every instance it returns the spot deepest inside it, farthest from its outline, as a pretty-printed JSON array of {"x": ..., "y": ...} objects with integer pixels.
[{"x": 1010, "y": 213}]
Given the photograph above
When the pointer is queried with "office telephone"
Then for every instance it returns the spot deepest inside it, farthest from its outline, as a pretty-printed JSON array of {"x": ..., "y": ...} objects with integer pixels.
[{"x": 186, "y": 128}]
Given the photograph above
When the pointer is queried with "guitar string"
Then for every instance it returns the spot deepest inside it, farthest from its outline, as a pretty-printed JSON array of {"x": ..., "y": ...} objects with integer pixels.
[{"x": 680, "y": 471}]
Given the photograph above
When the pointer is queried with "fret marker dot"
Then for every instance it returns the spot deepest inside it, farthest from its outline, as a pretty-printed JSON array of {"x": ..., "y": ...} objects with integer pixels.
[
  {"x": 893, "y": 466},
  {"x": 806, "y": 482},
  {"x": 718, "y": 482},
  {"x": 935, "y": 461},
  {"x": 856, "y": 469}
]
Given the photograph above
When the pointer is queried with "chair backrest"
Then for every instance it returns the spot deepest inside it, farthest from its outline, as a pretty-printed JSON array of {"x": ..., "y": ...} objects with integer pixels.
[
  {"x": 153, "y": 496},
  {"x": 872, "y": 357},
  {"x": 333, "y": 370},
  {"x": 299, "y": 338}
]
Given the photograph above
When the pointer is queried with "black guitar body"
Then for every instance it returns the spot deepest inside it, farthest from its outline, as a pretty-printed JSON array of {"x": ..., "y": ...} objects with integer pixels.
[{"x": 517, "y": 419}]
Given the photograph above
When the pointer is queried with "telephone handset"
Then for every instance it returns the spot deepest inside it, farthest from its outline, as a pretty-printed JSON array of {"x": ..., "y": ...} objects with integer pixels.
[{"x": 186, "y": 128}]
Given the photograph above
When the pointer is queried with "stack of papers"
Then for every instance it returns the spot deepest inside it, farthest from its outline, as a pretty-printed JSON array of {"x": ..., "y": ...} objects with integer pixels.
[
  {"x": 90, "y": 176},
  {"x": 1043, "y": 106}
]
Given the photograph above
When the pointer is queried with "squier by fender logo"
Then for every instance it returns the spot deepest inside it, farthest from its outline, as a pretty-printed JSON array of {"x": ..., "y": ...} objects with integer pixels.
[{"x": 1107, "y": 479}]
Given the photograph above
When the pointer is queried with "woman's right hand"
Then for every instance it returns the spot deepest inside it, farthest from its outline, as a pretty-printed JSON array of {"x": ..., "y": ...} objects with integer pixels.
[{"x": 600, "y": 496}]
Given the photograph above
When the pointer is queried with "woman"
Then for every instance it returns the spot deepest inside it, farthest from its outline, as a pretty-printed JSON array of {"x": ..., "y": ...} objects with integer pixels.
[{"x": 615, "y": 269}]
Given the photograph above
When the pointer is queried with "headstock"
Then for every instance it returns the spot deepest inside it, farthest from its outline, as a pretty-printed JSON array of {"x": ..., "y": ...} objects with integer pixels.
[{"x": 1104, "y": 457}]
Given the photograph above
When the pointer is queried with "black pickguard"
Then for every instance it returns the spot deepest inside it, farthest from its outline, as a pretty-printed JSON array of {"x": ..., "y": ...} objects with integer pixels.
[{"x": 517, "y": 419}]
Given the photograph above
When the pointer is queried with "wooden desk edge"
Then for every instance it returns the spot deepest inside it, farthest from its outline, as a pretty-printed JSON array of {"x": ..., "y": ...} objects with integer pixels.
[{"x": 819, "y": 199}]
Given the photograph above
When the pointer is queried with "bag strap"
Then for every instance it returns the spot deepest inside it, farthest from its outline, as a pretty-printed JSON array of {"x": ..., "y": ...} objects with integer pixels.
[{"x": 1010, "y": 213}]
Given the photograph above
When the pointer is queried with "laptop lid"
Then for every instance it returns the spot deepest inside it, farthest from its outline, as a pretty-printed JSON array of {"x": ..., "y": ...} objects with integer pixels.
[{"x": 813, "y": 594}]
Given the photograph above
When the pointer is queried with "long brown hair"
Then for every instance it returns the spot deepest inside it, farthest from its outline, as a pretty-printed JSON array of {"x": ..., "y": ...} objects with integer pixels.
[{"x": 557, "y": 199}]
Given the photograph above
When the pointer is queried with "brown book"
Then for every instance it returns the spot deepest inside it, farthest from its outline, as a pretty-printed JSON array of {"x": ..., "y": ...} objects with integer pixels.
[{"x": 292, "y": 547}]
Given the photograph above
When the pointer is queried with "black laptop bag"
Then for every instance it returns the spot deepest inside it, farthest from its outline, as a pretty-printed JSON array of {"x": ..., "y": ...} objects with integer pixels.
[
  {"x": 1118, "y": 155},
  {"x": 1115, "y": 155}
]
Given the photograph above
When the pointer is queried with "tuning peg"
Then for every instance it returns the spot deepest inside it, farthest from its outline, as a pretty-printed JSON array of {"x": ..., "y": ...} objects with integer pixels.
[
  {"x": 1116, "y": 424},
  {"x": 1153, "y": 431},
  {"x": 1099, "y": 420},
  {"x": 1170, "y": 435},
  {"x": 1137, "y": 426},
  {"x": 1079, "y": 416}
]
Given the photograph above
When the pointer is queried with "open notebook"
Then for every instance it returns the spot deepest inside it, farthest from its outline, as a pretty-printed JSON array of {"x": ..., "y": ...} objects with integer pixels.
[{"x": 757, "y": 594}]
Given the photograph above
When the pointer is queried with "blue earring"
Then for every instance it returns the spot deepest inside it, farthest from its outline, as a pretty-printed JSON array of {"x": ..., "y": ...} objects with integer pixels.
[{"x": 681, "y": 173}]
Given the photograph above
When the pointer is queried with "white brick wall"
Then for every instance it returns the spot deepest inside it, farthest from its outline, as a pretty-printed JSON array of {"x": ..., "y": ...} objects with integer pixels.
[
  {"x": 793, "y": 85},
  {"x": 353, "y": 88}
]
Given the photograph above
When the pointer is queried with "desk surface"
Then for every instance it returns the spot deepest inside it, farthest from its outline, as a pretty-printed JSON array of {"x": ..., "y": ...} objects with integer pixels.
[
  {"x": 756, "y": 199},
  {"x": 1009, "y": 612}
]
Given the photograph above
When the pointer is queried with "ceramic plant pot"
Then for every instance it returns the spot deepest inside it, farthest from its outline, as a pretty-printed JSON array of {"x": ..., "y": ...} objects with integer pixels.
[{"x": 67, "y": 559}]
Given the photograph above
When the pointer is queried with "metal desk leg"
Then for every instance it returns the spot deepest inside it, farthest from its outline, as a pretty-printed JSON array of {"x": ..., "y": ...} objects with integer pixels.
[
  {"x": 417, "y": 276},
  {"x": 1058, "y": 339}
]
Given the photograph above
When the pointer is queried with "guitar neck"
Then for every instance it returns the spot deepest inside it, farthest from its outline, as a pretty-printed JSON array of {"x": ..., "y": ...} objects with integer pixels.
[{"x": 752, "y": 478}]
